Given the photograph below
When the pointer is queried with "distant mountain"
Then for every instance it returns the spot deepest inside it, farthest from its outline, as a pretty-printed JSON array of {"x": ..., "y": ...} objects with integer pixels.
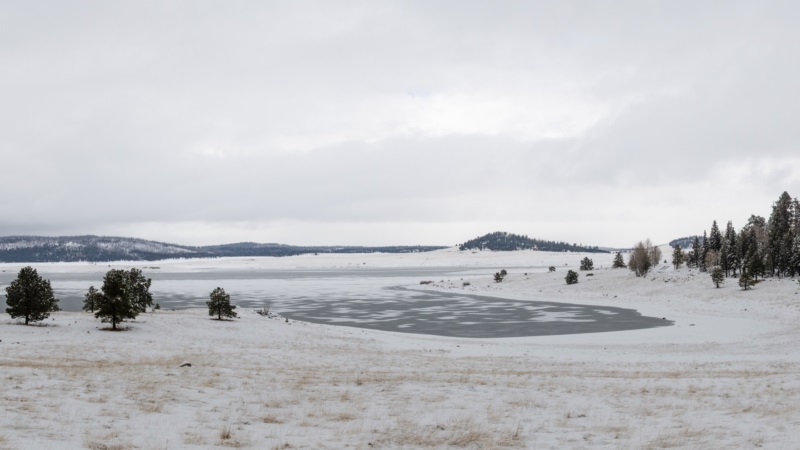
[
  {"x": 90, "y": 248},
  {"x": 502, "y": 241},
  {"x": 254, "y": 249},
  {"x": 103, "y": 248}
]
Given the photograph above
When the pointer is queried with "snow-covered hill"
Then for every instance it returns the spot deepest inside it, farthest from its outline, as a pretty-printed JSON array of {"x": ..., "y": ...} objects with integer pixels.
[
  {"x": 90, "y": 248},
  {"x": 103, "y": 248}
]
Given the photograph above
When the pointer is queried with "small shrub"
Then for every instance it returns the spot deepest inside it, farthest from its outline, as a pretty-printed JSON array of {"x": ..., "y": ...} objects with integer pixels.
[
  {"x": 552, "y": 269},
  {"x": 572, "y": 277},
  {"x": 498, "y": 277},
  {"x": 466, "y": 283}
]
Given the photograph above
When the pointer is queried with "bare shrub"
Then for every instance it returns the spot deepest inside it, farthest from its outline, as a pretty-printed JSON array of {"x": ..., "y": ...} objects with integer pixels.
[{"x": 643, "y": 257}]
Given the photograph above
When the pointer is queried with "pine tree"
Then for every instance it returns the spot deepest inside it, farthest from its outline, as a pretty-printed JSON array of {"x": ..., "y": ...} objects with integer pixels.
[
  {"x": 785, "y": 254},
  {"x": 677, "y": 257},
  {"x": 587, "y": 264},
  {"x": 779, "y": 225},
  {"x": 30, "y": 296},
  {"x": 220, "y": 304},
  {"x": 723, "y": 257},
  {"x": 731, "y": 254},
  {"x": 119, "y": 299},
  {"x": 696, "y": 249},
  {"x": 91, "y": 299},
  {"x": 755, "y": 259},
  {"x": 705, "y": 250},
  {"x": 754, "y": 250},
  {"x": 794, "y": 262},
  {"x": 140, "y": 289},
  {"x": 715, "y": 238},
  {"x": 572, "y": 277},
  {"x": 619, "y": 262},
  {"x": 745, "y": 281},
  {"x": 717, "y": 276}
]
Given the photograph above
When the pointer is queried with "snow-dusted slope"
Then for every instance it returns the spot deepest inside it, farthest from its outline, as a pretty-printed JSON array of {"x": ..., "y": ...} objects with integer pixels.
[{"x": 89, "y": 248}]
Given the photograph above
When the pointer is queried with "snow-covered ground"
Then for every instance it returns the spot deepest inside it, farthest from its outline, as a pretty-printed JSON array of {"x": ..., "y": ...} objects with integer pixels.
[{"x": 726, "y": 375}]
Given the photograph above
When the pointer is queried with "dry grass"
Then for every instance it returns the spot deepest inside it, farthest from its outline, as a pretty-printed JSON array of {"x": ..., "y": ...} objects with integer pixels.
[
  {"x": 271, "y": 419},
  {"x": 348, "y": 393},
  {"x": 106, "y": 441},
  {"x": 454, "y": 433},
  {"x": 194, "y": 438}
]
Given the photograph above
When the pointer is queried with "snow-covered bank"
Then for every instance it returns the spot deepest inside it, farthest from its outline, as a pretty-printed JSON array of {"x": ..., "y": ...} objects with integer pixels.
[{"x": 724, "y": 376}]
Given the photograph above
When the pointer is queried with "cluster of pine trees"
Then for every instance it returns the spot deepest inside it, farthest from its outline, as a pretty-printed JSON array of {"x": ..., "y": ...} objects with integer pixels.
[{"x": 761, "y": 248}]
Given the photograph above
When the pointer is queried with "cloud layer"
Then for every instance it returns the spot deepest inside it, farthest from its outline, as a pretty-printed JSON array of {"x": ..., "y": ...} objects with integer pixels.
[{"x": 395, "y": 122}]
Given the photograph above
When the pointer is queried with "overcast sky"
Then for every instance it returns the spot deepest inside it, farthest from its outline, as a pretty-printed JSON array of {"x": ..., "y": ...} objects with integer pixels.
[{"x": 408, "y": 122}]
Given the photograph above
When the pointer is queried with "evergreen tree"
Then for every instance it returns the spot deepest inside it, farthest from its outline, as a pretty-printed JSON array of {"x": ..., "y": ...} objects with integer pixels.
[
  {"x": 794, "y": 262},
  {"x": 779, "y": 225},
  {"x": 119, "y": 299},
  {"x": 677, "y": 257},
  {"x": 696, "y": 249},
  {"x": 705, "y": 249},
  {"x": 587, "y": 264},
  {"x": 723, "y": 260},
  {"x": 91, "y": 299},
  {"x": 30, "y": 296},
  {"x": 785, "y": 254},
  {"x": 619, "y": 262},
  {"x": 796, "y": 204},
  {"x": 572, "y": 277},
  {"x": 220, "y": 304},
  {"x": 717, "y": 276},
  {"x": 715, "y": 238},
  {"x": 754, "y": 250},
  {"x": 140, "y": 289},
  {"x": 745, "y": 281},
  {"x": 731, "y": 254},
  {"x": 745, "y": 242}
]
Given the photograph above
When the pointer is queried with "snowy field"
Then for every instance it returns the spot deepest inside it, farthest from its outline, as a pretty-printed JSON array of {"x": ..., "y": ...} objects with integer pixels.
[{"x": 726, "y": 375}]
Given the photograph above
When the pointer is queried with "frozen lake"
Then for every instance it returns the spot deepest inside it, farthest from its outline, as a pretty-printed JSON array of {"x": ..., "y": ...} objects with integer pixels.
[{"x": 366, "y": 298}]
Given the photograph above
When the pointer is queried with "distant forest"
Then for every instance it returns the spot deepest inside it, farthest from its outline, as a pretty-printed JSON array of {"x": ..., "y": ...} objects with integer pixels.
[
  {"x": 502, "y": 241},
  {"x": 103, "y": 249}
]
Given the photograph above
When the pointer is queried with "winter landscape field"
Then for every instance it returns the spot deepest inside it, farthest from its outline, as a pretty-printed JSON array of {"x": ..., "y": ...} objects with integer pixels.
[{"x": 723, "y": 375}]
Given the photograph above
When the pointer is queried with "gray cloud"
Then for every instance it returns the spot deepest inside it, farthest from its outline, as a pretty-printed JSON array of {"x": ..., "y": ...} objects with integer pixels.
[{"x": 270, "y": 121}]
